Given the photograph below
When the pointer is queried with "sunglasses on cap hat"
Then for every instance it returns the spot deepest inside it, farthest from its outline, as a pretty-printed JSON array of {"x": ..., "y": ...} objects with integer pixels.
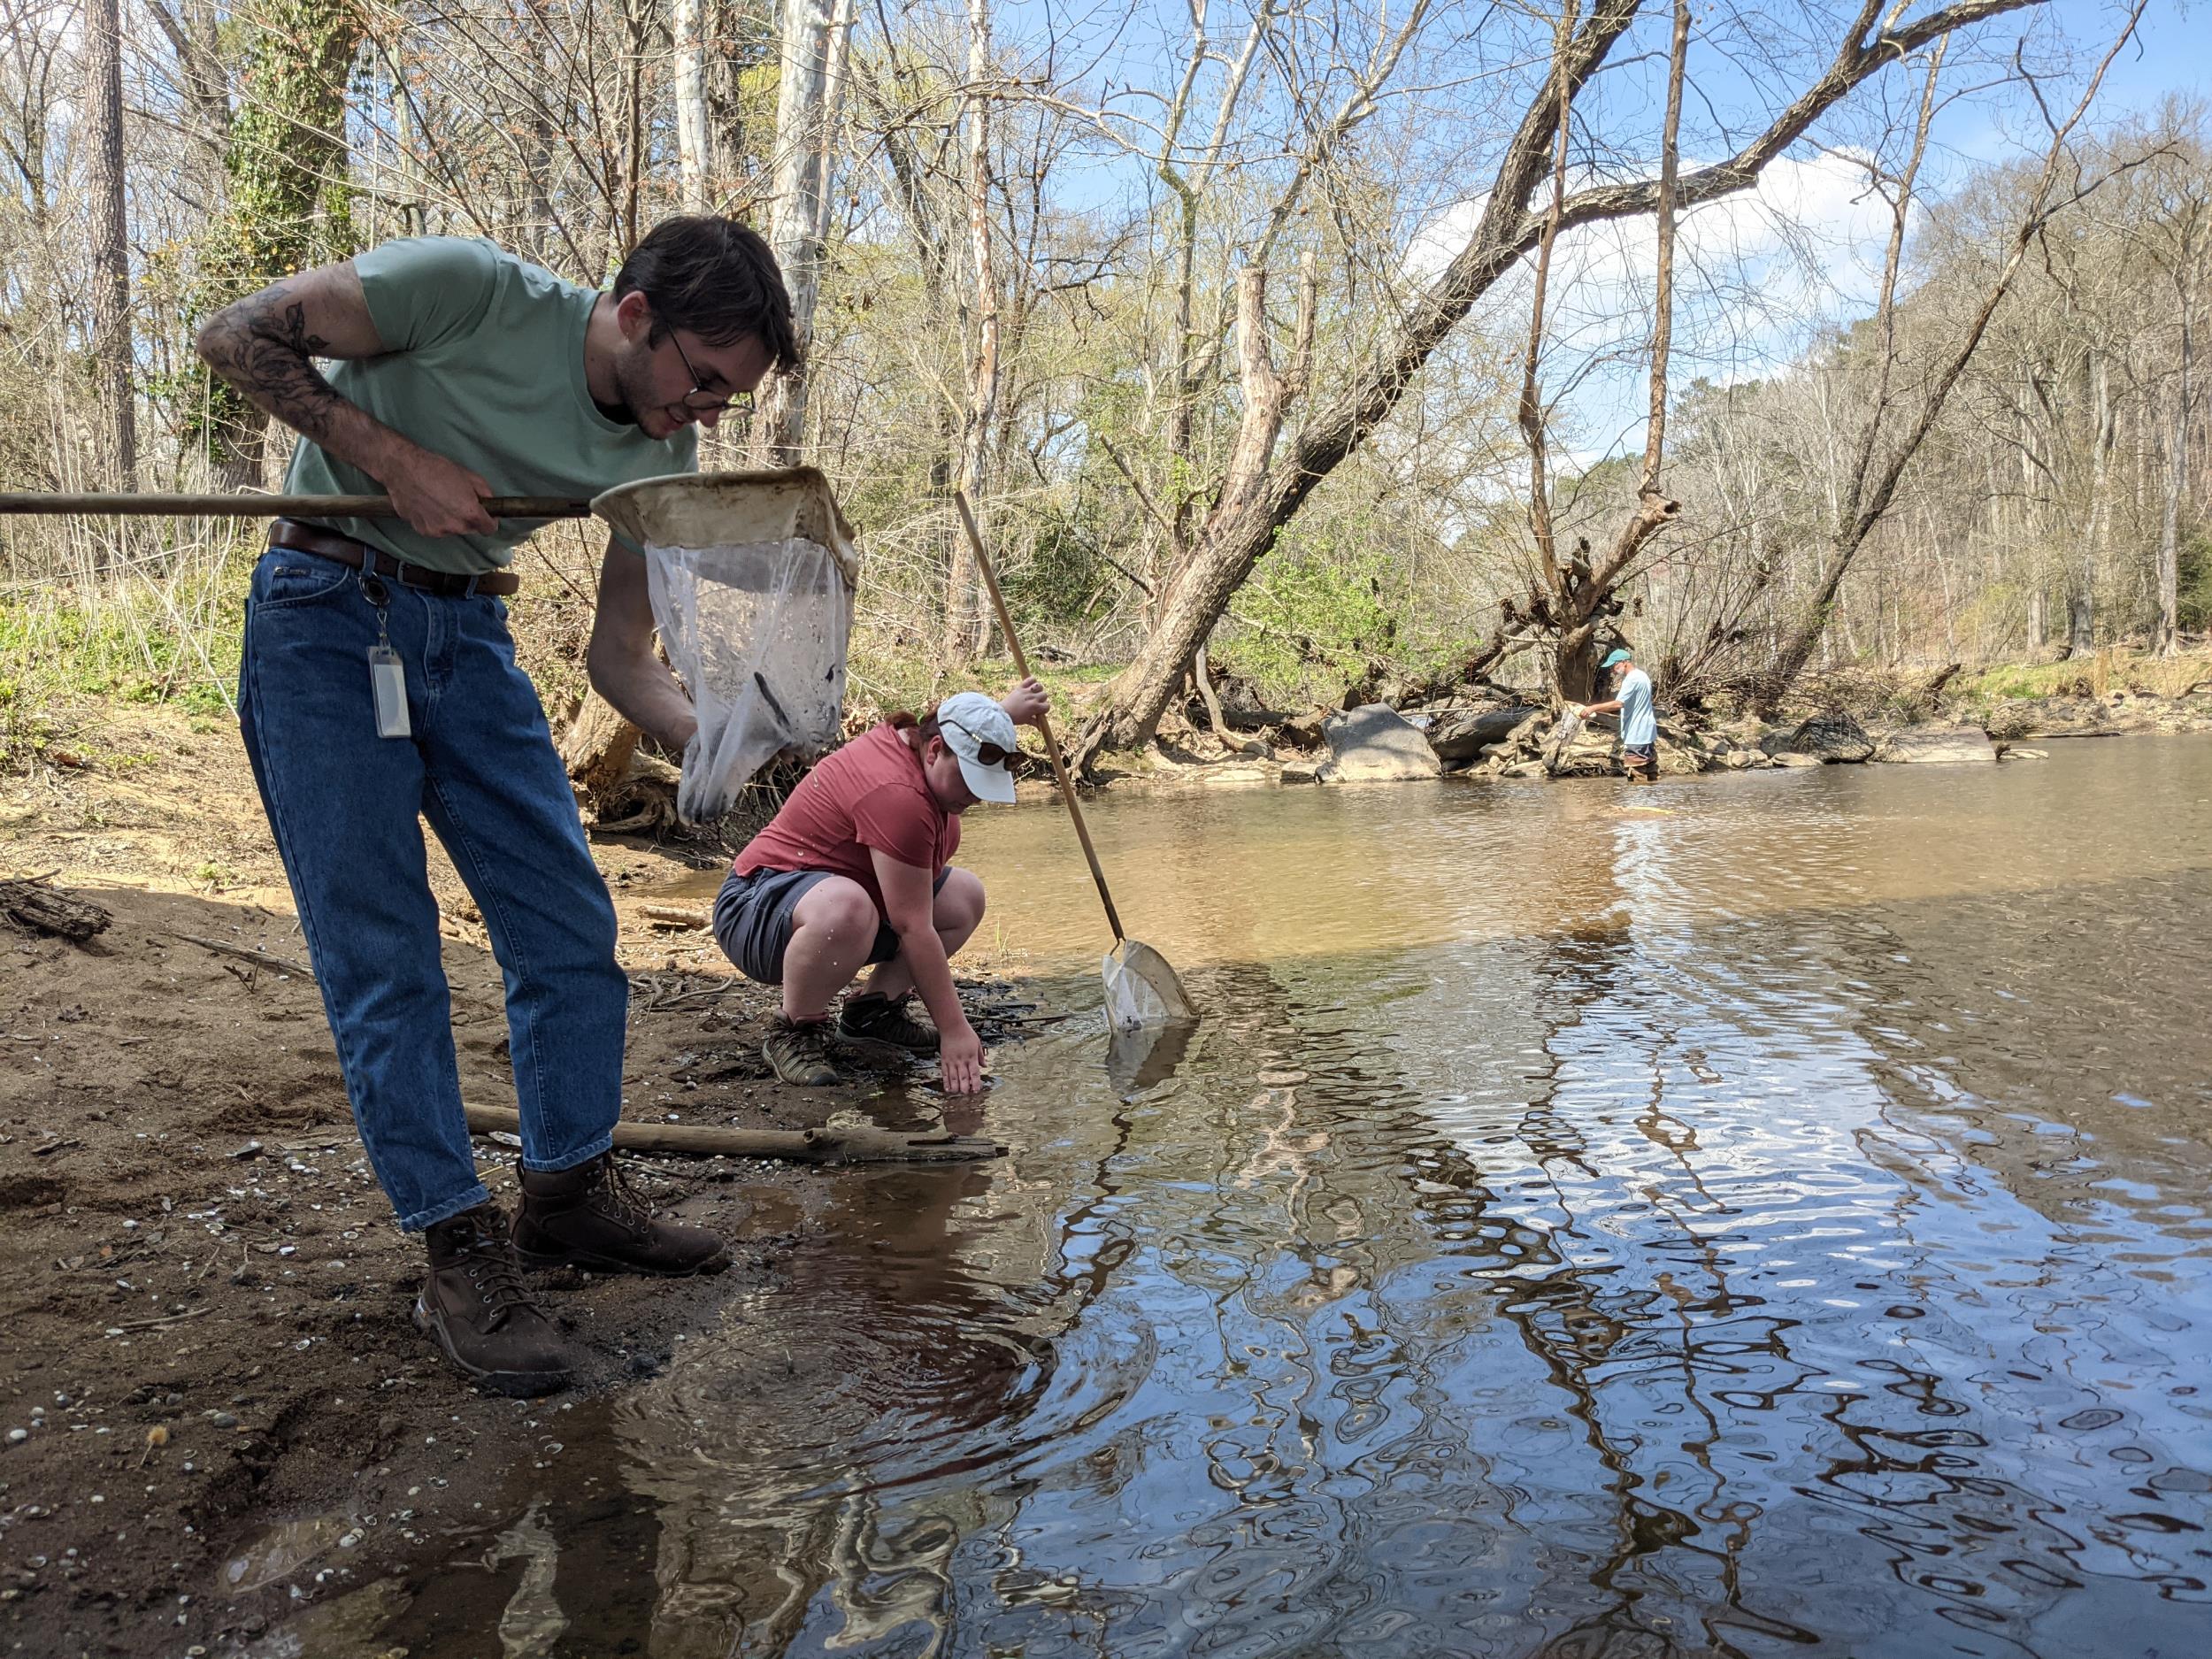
[{"x": 989, "y": 754}]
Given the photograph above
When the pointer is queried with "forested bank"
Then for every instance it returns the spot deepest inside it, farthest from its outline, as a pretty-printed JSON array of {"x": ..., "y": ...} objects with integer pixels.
[{"x": 1283, "y": 331}]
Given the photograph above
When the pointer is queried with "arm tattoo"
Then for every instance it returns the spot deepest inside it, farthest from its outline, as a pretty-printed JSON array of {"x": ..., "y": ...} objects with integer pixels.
[{"x": 261, "y": 345}]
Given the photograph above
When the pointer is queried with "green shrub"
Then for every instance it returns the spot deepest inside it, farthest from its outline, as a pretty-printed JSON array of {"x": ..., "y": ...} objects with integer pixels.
[
  {"x": 1310, "y": 622},
  {"x": 172, "y": 637}
]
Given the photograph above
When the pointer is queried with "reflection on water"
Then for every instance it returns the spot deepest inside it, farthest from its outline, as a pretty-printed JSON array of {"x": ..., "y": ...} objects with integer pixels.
[{"x": 1773, "y": 1224}]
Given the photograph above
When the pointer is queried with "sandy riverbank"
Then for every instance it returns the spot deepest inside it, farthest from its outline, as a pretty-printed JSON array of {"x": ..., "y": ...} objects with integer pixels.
[{"x": 207, "y": 1301}]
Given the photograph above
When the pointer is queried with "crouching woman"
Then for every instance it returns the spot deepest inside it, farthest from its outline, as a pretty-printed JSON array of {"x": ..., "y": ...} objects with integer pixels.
[{"x": 856, "y": 872}]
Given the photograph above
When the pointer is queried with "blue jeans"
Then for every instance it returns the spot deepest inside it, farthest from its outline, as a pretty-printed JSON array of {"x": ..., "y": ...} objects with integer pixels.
[{"x": 344, "y": 805}]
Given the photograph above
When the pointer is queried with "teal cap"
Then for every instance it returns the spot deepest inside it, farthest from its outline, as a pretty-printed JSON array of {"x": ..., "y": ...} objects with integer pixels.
[{"x": 1618, "y": 657}]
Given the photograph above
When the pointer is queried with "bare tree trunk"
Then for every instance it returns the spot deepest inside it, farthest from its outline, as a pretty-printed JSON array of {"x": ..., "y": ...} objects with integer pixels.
[
  {"x": 597, "y": 746},
  {"x": 694, "y": 150},
  {"x": 1584, "y": 596},
  {"x": 2082, "y": 632},
  {"x": 2081, "y": 623},
  {"x": 964, "y": 607},
  {"x": 1189, "y": 184},
  {"x": 810, "y": 38},
  {"x": 2168, "y": 641},
  {"x": 1533, "y": 417},
  {"x": 110, "y": 239}
]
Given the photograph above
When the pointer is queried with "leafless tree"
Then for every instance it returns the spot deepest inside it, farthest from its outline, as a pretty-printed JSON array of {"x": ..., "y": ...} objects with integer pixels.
[{"x": 1871, "y": 489}]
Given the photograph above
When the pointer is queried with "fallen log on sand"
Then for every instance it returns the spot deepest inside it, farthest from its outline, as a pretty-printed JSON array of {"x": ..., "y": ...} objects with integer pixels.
[
  {"x": 36, "y": 906},
  {"x": 801, "y": 1145}
]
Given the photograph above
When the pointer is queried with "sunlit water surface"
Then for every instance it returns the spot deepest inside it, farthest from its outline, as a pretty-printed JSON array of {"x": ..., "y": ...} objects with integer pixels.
[{"x": 1756, "y": 1214}]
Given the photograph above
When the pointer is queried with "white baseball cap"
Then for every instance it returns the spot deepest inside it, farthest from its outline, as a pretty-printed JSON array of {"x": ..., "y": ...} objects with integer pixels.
[{"x": 971, "y": 722}]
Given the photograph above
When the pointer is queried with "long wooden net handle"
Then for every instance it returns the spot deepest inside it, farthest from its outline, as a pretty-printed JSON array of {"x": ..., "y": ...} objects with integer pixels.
[
  {"x": 246, "y": 506},
  {"x": 1044, "y": 721}
]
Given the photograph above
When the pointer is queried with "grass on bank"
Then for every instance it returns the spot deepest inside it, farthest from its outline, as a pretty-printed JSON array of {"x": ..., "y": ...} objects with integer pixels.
[
  {"x": 162, "y": 625},
  {"x": 2108, "y": 670}
]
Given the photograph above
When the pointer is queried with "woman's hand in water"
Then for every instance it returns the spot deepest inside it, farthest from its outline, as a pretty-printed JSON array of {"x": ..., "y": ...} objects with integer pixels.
[{"x": 960, "y": 1060}]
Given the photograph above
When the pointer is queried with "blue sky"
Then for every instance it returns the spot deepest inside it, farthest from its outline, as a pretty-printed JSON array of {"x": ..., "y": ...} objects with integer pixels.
[
  {"x": 2172, "y": 53},
  {"x": 1773, "y": 267}
]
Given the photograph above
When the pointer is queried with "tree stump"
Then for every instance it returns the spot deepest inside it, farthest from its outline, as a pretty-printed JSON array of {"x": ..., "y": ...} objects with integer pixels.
[{"x": 597, "y": 750}]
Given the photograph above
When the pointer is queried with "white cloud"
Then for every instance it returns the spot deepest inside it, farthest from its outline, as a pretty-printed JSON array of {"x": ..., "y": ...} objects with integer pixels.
[{"x": 1757, "y": 275}]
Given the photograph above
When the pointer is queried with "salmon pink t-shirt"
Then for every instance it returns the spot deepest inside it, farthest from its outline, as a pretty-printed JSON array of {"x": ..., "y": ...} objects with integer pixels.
[{"x": 869, "y": 796}]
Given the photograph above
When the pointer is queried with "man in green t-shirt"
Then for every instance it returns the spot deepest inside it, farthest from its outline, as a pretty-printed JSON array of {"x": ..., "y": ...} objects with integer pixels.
[{"x": 378, "y": 687}]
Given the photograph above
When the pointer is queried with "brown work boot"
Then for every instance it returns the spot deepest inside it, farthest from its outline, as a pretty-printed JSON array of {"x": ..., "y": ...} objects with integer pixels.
[
  {"x": 800, "y": 1051},
  {"x": 589, "y": 1217},
  {"x": 475, "y": 1307},
  {"x": 874, "y": 1018}
]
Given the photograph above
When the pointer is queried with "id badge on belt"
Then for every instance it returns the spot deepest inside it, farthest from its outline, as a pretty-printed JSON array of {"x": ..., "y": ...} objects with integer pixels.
[{"x": 387, "y": 674}]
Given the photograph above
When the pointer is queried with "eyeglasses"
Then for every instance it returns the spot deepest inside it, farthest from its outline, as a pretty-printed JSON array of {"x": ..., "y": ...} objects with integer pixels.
[
  {"x": 989, "y": 754},
  {"x": 700, "y": 401}
]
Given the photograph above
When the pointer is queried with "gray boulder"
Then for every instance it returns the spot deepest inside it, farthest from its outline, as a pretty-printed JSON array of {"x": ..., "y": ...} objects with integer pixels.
[
  {"x": 1940, "y": 745},
  {"x": 1375, "y": 744},
  {"x": 1829, "y": 738},
  {"x": 1462, "y": 734}
]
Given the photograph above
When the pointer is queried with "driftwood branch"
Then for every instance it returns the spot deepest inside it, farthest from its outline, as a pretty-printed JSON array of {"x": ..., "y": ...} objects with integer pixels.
[
  {"x": 260, "y": 959},
  {"x": 797, "y": 1146}
]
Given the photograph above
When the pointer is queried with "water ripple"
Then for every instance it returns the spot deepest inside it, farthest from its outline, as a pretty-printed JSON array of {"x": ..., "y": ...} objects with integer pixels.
[{"x": 1777, "y": 1226}]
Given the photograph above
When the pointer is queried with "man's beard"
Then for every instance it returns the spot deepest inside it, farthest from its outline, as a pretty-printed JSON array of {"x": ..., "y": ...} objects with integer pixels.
[{"x": 633, "y": 377}]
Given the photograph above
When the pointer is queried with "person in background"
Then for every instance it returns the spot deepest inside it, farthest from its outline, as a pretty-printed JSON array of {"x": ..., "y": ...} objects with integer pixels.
[
  {"x": 855, "y": 870},
  {"x": 1632, "y": 700}
]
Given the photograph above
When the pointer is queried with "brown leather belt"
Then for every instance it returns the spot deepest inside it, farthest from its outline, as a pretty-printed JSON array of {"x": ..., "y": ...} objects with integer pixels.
[{"x": 327, "y": 544}]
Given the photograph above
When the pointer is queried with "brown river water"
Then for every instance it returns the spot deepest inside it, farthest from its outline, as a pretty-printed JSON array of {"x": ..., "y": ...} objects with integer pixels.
[{"x": 1760, "y": 1214}]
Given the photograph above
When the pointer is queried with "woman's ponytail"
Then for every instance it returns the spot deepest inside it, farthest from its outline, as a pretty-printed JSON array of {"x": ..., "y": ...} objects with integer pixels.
[{"x": 916, "y": 729}]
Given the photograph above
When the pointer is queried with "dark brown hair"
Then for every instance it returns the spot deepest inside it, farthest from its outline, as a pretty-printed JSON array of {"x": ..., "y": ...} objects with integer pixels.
[
  {"x": 916, "y": 729},
  {"x": 715, "y": 279}
]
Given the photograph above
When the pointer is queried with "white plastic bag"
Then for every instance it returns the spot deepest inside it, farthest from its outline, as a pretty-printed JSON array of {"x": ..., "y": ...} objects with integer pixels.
[
  {"x": 751, "y": 581},
  {"x": 757, "y": 632}
]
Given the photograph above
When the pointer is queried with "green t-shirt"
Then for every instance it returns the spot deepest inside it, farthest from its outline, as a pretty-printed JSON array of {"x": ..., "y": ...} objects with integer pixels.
[{"x": 484, "y": 365}]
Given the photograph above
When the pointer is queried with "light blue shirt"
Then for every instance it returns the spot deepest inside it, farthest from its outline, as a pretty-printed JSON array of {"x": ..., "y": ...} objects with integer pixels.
[{"x": 1639, "y": 727}]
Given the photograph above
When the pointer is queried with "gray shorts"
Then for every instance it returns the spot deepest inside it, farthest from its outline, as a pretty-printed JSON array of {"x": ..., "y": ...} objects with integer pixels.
[{"x": 753, "y": 920}]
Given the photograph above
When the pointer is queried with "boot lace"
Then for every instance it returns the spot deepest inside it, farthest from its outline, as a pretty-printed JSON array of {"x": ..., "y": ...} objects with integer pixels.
[
  {"x": 619, "y": 1200},
  {"x": 497, "y": 1274}
]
